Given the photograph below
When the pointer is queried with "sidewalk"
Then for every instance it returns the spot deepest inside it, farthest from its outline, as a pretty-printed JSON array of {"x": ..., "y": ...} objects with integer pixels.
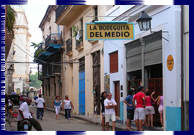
[{"x": 95, "y": 119}]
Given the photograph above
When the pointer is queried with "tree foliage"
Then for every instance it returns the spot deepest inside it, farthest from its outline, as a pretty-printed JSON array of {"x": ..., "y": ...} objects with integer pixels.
[
  {"x": 35, "y": 45},
  {"x": 34, "y": 81},
  {"x": 10, "y": 19}
]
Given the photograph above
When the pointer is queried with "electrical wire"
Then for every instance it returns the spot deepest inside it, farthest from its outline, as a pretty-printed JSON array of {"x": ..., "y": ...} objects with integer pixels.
[{"x": 43, "y": 62}]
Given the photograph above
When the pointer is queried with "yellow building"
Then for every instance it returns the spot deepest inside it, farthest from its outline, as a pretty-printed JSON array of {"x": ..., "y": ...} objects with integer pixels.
[{"x": 84, "y": 71}]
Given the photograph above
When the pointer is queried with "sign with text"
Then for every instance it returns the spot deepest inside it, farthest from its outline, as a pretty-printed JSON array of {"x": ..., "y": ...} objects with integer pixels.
[
  {"x": 108, "y": 31},
  {"x": 170, "y": 62}
]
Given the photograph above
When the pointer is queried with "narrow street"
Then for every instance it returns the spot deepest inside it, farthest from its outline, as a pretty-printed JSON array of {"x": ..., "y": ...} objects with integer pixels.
[{"x": 49, "y": 123}]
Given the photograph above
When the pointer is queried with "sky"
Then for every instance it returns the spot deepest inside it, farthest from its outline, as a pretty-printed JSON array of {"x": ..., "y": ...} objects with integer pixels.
[{"x": 34, "y": 14}]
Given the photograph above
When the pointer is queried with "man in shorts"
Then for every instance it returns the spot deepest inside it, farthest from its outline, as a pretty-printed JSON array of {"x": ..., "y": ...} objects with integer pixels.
[
  {"x": 139, "y": 109},
  {"x": 110, "y": 105}
]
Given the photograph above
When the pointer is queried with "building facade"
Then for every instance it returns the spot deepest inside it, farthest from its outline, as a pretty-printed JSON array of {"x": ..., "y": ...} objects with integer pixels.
[
  {"x": 21, "y": 47},
  {"x": 145, "y": 60},
  {"x": 49, "y": 56},
  {"x": 185, "y": 34},
  {"x": 84, "y": 79}
]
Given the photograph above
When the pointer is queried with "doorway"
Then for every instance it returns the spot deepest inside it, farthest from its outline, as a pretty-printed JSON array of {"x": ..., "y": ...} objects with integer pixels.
[
  {"x": 117, "y": 97},
  {"x": 96, "y": 82}
]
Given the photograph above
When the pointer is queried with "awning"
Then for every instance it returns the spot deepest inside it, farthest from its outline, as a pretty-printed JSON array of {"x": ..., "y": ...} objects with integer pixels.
[
  {"x": 53, "y": 47},
  {"x": 43, "y": 55}
]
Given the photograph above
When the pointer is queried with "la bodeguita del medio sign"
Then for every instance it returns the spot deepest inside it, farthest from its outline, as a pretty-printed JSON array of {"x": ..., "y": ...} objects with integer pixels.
[{"x": 109, "y": 31}]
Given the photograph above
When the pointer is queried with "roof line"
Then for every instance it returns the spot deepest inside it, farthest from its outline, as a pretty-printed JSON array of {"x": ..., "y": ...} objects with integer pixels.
[{"x": 46, "y": 14}]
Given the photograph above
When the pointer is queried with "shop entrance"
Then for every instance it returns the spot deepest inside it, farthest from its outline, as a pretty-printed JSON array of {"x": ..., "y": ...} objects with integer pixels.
[
  {"x": 156, "y": 84},
  {"x": 153, "y": 81}
]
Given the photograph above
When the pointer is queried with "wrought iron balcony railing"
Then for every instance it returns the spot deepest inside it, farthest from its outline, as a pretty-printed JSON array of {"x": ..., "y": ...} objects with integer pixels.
[
  {"x": 59, "y": 11},
  {"x": 53, "y": 38}
]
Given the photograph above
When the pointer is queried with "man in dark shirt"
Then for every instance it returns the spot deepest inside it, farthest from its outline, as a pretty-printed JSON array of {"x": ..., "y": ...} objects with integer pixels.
[
  {"x": 130, "y": 109},
  {"x": 103, "y": 97}
]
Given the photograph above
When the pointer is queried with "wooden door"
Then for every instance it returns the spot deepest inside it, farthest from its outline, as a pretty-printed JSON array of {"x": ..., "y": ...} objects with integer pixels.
[
  {"x": 156, "y": 84},
  {"x": 82, "y": 93},
  {"x": 96, "y": 82},
  {"x": 117, "y": 98},
  {"x": 82, "y": 86}
]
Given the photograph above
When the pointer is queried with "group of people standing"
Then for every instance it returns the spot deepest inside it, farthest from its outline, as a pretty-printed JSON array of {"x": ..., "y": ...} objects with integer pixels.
[{"x": 139, "y": 108}]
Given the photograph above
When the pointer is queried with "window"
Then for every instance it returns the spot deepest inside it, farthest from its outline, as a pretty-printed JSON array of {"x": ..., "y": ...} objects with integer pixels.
[
  {"x": 55, "y": 89},
  {"x": 114, "y": 62},
  {"x": 43, "y": 90},
  {"x": 46, "y": 90},
  {"x": 49, "y": 90},
  {"x": 70, "y": 33},
  {"x": 81, "y": 21},
  {"x": 50, "y": 29}
]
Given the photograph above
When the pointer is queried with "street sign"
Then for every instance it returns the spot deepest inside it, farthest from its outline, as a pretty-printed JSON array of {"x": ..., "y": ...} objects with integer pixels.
[
  {"x": 109, "y": 31},
  {"x": 170, "y": 62}
]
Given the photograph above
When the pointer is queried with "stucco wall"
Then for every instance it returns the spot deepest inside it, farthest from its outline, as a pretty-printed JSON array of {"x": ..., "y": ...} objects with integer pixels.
[
  {"x": 171, "y": 79},
  {"x": 87, "y": 53}
]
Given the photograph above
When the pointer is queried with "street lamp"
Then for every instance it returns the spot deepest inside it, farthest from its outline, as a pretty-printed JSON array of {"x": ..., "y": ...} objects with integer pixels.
[
  {"x": 10, "y": 70},
  {"x": 144, "y": 21}
]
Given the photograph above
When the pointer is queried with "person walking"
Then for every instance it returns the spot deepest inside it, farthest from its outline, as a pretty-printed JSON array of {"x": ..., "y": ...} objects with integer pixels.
[
  {"x": 56, "y": 104},
  {"x": 67, "y": 105},
  {"x": 103, "y": 97},
  {"x": 40, "y": 104},
  {"x": 139, "y": 109},
  {"x": 130, "y": 109},
  {"x": 25, "y": 114},
  {"x": 10, "y": 103},
  {"x": 110, "y": 105},
  {"x": 13, "y": 93},
  {"x": 149, "y": 109},
  {"x": 21, "y": 100}
]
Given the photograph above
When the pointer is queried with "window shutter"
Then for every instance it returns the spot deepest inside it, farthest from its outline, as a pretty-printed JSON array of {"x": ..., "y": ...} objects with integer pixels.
[{"x": 114, "y": 62}]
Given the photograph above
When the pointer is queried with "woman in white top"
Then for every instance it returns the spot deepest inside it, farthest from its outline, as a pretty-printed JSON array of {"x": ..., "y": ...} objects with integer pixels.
[{"x": 67, "y": 105}]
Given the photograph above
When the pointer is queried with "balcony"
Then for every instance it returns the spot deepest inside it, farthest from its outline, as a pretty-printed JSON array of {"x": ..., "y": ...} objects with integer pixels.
[
  {"x": 43, "y": 56},
  {"x": 57, "y": 69},
  {"x": 67, "y": 13},
  {"x": 57, "y": 65},
  {"x": 93, "y": 41},
  {"x": 69, "y": 47},
  {"x": 53, "y": 42},
  {"x": 79, "y": 42},
  {"x": 59, "y": 11}
]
